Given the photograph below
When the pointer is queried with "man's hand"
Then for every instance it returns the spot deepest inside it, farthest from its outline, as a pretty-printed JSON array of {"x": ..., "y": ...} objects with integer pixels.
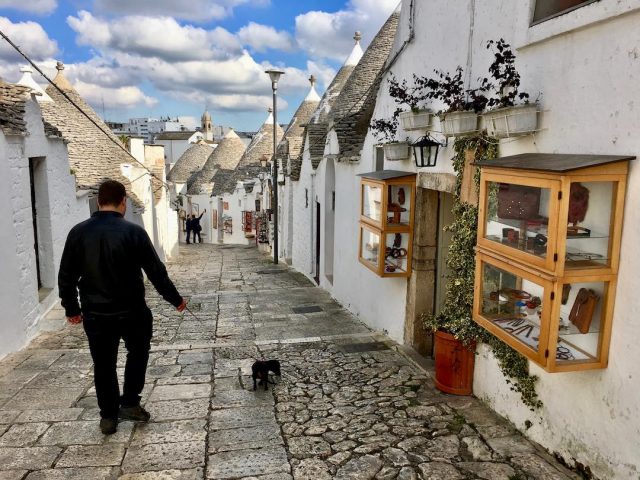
[
  {"x": 75, "y": 320},
  {"x": 182, "y": 306}
]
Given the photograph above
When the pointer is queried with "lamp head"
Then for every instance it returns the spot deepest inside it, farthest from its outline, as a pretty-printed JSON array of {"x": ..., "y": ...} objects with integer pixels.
[{"x": 274, "y": 75}]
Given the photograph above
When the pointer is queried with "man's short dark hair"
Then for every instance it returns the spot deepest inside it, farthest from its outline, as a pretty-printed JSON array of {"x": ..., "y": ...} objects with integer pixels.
[{"x": 111, "y": 192}]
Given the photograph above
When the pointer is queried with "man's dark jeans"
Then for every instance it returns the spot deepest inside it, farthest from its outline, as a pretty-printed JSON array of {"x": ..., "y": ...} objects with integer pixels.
[{"x": 104, "y": 333}]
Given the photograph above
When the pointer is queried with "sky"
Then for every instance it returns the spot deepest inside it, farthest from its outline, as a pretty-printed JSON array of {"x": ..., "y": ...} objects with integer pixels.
[{"x": 152, "y": 58}]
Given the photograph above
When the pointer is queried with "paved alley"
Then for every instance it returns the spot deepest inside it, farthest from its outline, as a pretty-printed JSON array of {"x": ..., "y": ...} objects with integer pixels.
[{"x": 349, "y": 406}]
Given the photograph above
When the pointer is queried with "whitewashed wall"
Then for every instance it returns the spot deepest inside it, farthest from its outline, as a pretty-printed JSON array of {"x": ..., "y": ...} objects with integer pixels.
[
  {"x": 586, "y": 65},
  {"x": 59, "y": 208},
  {"x": 238, "y": 201},
  {"x": 303, "y": 210}
]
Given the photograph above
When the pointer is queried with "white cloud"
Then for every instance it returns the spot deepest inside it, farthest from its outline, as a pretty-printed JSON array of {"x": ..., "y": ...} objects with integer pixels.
[
  {"x": 40, "y": 7},
  {"x": 160, "y": 37},
  {"x": 230, "y": 102},
  {"x": 194, "y": 10},
  {"x": 330, "y": 35},
  {"x": 262, "y": 38},
  {"x": 99, "y": 71},
  {"x": 31, "y": 39},
  {"x": 114, "y": 98},
  {"x": 187, "y": 62}
]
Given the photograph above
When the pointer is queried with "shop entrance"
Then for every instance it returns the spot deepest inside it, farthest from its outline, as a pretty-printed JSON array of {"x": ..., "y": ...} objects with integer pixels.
[{"x": 428, "y": 281}]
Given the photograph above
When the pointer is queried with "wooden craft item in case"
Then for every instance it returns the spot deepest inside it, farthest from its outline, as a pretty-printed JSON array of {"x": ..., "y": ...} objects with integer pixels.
[{"x": 583, "y": 309}]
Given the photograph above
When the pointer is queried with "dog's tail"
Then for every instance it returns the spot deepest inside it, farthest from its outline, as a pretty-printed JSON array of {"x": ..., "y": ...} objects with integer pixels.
[{"x": 240, "y": 378}]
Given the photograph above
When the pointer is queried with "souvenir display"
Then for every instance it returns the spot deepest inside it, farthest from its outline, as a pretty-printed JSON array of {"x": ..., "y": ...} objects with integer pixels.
[
  {"x": 583, "y": 309},
  {"x": 518, "y": 202},
  {"x": 386, "y": 214},
  {"x": 578, "y": 206},
  {"x": 548, "y": 255}
]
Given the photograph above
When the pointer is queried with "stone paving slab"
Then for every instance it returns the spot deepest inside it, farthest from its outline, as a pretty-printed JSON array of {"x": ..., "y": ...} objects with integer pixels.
[
  {"x": 341, "y": 409},
  {"x": 30, "y": 458},
  {"x": 247, "y": 463},
  {"x": 164, "y": 456},
  {"x": 92, "y": 455},
  {"x": 93, "y": 473}
]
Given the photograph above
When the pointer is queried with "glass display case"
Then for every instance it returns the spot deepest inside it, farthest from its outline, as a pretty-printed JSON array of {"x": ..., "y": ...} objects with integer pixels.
[
  {"x": 386, "y": 222},
  {"x": 549, "y": 231}
]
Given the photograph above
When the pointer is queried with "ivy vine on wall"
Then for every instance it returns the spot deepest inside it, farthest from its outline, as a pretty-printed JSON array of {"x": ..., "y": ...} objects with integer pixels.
[{"x": 455, "y": 317}]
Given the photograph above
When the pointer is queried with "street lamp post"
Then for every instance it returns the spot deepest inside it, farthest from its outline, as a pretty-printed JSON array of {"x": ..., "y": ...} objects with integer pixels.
[{"x": 274, "y": 75}]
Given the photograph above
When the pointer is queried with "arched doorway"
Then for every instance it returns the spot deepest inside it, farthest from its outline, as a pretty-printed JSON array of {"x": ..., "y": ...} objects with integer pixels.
[{"x": 329, "y": 217}]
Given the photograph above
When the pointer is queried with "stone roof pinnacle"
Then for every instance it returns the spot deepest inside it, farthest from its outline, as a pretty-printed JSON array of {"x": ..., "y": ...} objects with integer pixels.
[
  {"x": 356, "y": 53},
  {"x": 60, "y": 80},
  {"x": 28, "y": 81},
  {"x": 312, "y": 96},
  {"x": 269, "y": 120}
]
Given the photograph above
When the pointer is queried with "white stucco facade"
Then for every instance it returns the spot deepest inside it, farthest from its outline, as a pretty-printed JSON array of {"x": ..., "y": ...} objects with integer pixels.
[
  {"x": 584, "y": 68},
  {"x": 58, "y": 208}
]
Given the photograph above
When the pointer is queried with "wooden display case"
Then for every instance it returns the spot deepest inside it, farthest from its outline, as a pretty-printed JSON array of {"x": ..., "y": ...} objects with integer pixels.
[
  {"x": 549, "y": 231},
  {"x": 387, "y": 201}
]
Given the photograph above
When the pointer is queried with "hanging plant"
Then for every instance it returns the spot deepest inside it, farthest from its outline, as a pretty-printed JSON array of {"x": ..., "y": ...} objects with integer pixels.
[
  {"x": 456, "y": 316},
  {"x": 506, "y": 78},
  {"x": 449, "y": 89},
  {"x": 510, "y": 113}
]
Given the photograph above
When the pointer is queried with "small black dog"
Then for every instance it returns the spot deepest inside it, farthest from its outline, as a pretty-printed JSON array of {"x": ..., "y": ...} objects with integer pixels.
[{"x": 260, "y": 371}]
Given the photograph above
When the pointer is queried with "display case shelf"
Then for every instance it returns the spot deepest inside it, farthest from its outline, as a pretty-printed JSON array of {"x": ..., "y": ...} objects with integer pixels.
[
  {"x": 386, "y": 221},
  {"x": 549, "y": 231}
]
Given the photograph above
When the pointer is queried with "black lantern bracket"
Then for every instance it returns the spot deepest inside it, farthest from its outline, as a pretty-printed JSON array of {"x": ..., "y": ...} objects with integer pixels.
[{"x": 425, "y": 151}]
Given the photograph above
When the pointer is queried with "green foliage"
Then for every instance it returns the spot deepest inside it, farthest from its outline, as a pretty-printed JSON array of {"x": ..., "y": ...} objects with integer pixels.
[{"x": 456, "y": 315}]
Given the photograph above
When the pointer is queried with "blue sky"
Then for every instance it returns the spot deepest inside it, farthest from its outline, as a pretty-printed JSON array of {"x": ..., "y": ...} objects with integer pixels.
[{"x": 174, "y": 57}]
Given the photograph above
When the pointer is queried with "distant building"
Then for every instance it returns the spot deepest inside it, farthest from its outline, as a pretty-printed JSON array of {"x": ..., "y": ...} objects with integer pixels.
[
  {"x": 149, "y": 127},
  {"x": 175, "y": 144}
]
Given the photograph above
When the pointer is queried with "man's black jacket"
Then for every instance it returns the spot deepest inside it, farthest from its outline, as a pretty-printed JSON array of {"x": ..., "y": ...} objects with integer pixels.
[{"x": 104, "y": 257}]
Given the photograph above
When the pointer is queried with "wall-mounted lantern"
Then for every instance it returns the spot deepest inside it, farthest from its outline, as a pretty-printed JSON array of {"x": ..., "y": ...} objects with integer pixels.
[{"x": 425, "y": 151}]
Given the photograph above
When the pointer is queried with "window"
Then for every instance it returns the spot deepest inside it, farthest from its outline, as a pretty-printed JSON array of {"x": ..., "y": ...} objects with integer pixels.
[
  {"x": 547, "y": 9},
  {"x": 379, "y": 158}
]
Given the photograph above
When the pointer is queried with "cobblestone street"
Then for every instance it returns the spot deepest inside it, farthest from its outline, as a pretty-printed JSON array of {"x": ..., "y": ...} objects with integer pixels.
[{"x": 348, "y": 406}]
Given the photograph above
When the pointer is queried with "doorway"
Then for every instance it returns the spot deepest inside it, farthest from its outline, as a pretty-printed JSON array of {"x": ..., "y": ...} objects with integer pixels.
[
  {"x": 329, "y": 218},
  {"x": 34, "y": 218},
  {"x": 445, "y": 218},
  {"x": 41, "y": 224},
  {"x": 318, "y": 248},
  {"x": 428, "y": 281}
]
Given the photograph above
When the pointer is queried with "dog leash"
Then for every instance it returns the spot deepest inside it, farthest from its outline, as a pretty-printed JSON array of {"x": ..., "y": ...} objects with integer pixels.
[{"x": 192, "y": 314}]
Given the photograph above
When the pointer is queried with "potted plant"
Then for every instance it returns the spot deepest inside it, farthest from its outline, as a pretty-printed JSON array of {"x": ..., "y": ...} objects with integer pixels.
[
  {"x": 385, "y": 131},
  {"x": 461, "y": 106},
  {"x": 507, "y": 117},
  {"x": 415, "y": 118}
]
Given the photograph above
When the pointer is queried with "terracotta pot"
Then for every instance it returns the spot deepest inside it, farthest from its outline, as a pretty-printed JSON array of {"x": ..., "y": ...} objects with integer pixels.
[{"x": 454, "y": 364}]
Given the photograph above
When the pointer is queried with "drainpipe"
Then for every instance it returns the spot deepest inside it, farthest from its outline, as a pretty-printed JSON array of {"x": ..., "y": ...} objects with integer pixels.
[{"x": 472, "y": 21}]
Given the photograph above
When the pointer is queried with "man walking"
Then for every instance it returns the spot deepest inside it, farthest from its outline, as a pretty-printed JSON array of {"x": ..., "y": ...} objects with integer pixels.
[{"x": 103, "y": 258}]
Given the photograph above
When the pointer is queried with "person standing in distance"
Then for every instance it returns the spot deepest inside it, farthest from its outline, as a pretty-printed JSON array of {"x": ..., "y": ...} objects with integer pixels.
[
  {"x": 103, "y": 259},
  {"x": 196, "y": 227}
]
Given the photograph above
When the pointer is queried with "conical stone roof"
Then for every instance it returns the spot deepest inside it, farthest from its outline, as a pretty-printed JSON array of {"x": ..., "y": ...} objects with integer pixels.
[
  {"x": 354, "y": 107},
  {"x": 93, "y": 155},
  {"x": 291, "y": 144},
  {"x": 316, "y": 131},
  {"x": 226, "y": 156},
  {"x": 261, "y": 145},
  {"x": 190, "y": 163}
]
